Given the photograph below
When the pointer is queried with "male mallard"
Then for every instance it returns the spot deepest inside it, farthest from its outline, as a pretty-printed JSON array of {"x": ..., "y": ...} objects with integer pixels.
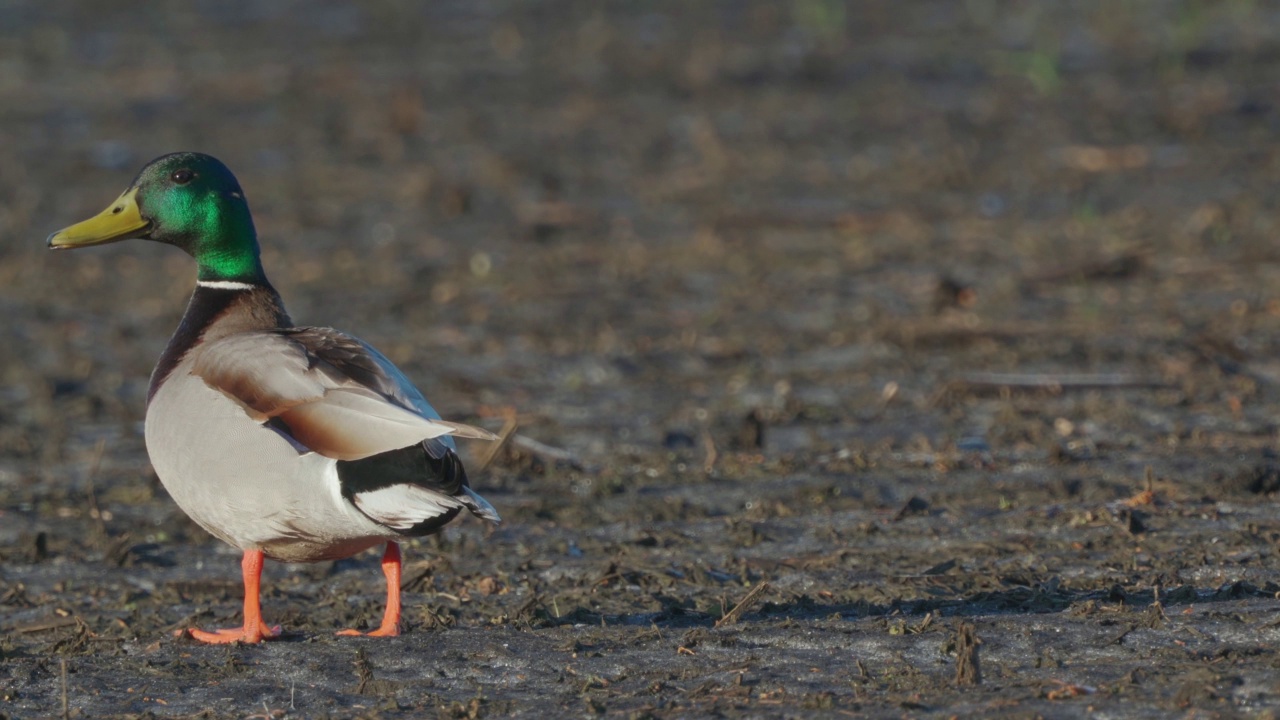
[{"x": 295, "y": 443}]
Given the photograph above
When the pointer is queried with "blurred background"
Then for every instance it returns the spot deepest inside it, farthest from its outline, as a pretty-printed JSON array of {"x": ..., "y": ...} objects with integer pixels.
[
  {"x": 630, "y": 220},
  {"x": 804, "y": 264}
]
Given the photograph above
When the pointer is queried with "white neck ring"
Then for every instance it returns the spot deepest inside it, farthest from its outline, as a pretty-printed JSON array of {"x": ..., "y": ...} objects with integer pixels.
[{"x": 225, "y": 285}]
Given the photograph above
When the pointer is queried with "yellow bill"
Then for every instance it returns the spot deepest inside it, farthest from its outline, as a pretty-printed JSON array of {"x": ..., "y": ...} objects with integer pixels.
[{"x": 120, "y": 221}]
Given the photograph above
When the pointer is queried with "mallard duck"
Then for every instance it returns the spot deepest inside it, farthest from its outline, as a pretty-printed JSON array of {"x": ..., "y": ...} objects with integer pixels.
[{"x": 299, "y": 444}]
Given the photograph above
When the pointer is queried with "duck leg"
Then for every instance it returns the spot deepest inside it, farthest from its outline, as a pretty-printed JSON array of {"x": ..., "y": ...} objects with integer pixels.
[
  {"x": 391, "y": 618},
  {"x": 254, "y": 630}
]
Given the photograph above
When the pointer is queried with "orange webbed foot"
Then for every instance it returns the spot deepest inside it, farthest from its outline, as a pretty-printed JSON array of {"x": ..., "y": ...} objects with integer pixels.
[
  {"x": 384, "y": 631},
  {"x": 254, "y": 630},
  {"x": 249, "y": 634}
]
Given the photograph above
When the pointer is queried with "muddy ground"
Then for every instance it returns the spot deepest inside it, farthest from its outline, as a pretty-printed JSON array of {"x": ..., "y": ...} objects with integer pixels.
[{"x": 888, "y": 324}]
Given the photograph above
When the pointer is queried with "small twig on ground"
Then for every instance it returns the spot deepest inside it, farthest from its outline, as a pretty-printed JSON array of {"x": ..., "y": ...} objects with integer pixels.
[
  {"x": 180, "y": 628},
  {"x": 709, "y": 446},
  {"x": 1054, "y": 381},
  {"x": 1118, "y": 267},
  {"x": 46, "y": 625},
  {"x": 967, "y": 642},
  {"x": 94, "y": 465},
  {"x": 508, "y": 429},
  {"x": 1147, "y": 495},
  {"x": 546, "y": 451},
  {"x": 733, "y": 615},
  {"x": 788, "y": 217},
  {"x": 364, "y": 671},
  {"x": 66, "y": 709},
  {"x": 1067, "y": 690}
]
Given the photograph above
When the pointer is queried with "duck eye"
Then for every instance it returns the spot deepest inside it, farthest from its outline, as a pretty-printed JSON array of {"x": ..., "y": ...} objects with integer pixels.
[{"x": 182, "y": 177}]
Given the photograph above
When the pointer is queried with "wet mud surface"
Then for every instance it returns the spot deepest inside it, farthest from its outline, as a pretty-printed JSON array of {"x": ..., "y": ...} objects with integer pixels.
[{"x": 897, "y": 360}]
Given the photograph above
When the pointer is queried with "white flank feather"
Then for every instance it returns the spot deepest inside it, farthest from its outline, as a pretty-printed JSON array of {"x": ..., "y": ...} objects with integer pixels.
[{"x": 400, "y": 507}]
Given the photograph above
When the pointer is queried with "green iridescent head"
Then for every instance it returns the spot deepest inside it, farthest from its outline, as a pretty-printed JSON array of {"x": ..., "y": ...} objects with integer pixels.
[{"x": 184, "y": 199}]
